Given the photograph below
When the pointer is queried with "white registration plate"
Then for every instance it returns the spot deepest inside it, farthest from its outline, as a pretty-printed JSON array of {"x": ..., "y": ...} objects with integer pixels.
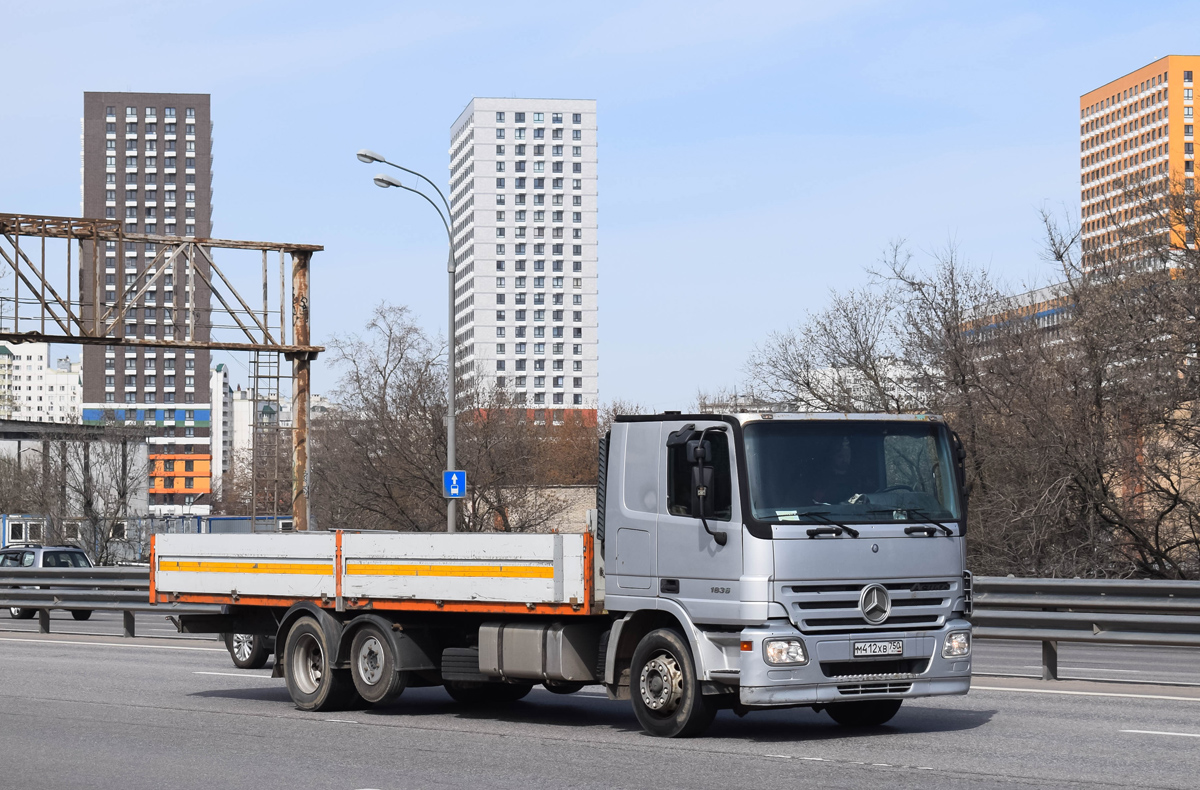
[{"x": 894, "y": 647}]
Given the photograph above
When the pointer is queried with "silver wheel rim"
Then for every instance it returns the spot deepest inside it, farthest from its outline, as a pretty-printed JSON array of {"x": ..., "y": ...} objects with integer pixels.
[
  {"x": 661, "y": 684},
  {"x": 308, "y": 664},
  {"x": 369, "y": 661},
  {"x": 243, "y": 646}
]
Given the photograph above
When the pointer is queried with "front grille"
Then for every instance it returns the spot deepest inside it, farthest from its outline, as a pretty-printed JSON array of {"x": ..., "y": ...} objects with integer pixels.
[
  {"x": 874, "y": 688},
  {"x": 917, "y": 605},
  {"x": 889, "y": 669}
]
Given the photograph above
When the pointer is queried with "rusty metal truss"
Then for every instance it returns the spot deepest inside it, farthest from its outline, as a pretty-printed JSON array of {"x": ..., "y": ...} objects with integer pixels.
[{"x": 60, "y": 311}]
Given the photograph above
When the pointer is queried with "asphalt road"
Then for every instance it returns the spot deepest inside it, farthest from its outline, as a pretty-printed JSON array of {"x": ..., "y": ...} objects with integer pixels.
[{"x": 101, "y": 711}]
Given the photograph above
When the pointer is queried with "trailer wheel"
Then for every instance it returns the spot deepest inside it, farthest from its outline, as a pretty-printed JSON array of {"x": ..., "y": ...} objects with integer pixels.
[
  {"x": 865, "y": 713},
  {"x": 469, "y": 693},
  {"x": 81, "y": 614},
  {"x": 563, "y": 686},
  {"x": 311, "y": 681},
  {"x": 373, "y": 667},
  {"x": 248, "y": 651},
  {"x": 666, "y": 694}
]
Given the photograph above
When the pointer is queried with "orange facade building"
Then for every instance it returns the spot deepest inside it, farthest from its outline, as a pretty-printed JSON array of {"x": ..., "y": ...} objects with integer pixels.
[{"x": 1137, "y": 128}]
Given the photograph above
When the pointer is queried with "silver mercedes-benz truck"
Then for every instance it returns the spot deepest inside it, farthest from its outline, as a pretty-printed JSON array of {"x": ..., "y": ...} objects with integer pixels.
[{"x": 759, "y": 561}]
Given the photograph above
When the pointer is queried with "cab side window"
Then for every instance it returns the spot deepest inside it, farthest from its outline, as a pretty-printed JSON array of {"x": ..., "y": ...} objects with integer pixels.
[
  {"x": 27, "y": 559},
  {"x": 679, "y": 479}
]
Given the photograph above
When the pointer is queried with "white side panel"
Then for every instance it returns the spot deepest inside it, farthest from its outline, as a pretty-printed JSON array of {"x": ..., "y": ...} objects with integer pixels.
[
  {"x": 487, "y": 567},
  {"x": 294, "y": 566},
  {"x": 484, "y": 567}
]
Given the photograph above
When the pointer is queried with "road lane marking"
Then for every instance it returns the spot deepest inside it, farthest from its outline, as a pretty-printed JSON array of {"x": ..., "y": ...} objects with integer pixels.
[
  {"x": 342, "y": 721},
  {"x": 235, "y": 675},
  {"x": 1158, "y": 732},
  {"x": 110, "y": 644},
  {"x": 1085, "y": 693}
]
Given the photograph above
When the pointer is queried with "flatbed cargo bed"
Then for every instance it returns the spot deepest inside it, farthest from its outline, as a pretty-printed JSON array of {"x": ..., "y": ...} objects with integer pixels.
[{"x": 348, "y": 571}]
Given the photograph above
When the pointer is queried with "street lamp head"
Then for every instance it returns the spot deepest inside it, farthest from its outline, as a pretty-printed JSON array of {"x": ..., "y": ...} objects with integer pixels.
[
  {"x": 369, "y": 156},
  {"x": 384, "y": 181}
]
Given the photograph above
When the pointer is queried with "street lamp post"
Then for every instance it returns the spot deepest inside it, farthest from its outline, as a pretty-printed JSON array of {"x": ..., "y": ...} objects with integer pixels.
[{"x": 385, "y": 181}]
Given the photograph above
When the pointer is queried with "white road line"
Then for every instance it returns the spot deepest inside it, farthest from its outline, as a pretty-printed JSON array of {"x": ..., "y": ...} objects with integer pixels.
[
  {"x": 342, "y": 721},
  {"x": 110, "y": 644},
  {"x": 235, "y": 675},
  {"x": 1085, "y": 693},
  {"x": 1156, "y": 732}
]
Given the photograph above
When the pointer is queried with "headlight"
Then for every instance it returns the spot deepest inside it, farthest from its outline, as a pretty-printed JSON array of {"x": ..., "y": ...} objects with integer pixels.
[
  {"x": 784, "y": 651},
  {"x": 957, "y": 644}
]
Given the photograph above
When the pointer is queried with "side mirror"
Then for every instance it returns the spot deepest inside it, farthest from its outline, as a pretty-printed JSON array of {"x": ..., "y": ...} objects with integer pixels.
[
  {"x": 702, "y": 499},
  {"x": 702, "y": 492}
]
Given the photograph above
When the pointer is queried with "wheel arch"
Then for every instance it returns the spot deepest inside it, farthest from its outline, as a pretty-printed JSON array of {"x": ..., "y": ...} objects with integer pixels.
[
  {"x": 409, "y": 653},
  {"x": 330, "y": 625}
]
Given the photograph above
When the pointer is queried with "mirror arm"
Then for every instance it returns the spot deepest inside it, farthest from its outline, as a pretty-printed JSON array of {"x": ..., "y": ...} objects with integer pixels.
[{"x": 720, "y": 537}]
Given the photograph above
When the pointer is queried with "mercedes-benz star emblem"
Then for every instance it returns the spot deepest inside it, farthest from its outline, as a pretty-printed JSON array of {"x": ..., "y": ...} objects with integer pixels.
[{"x": 875, "y": 604}]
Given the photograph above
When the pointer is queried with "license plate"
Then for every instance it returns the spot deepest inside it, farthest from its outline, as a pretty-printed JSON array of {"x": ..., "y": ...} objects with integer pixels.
[{"x": 890, "y": 648}]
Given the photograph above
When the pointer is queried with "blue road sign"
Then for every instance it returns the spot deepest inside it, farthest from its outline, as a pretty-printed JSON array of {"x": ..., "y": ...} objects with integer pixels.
[{"x": 454, "y": 484}]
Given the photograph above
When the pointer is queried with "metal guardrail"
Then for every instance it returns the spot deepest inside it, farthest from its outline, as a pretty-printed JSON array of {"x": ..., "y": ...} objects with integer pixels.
[
  {"x": 125, "y": 589},
  {"x": 1097, "y": 611}
]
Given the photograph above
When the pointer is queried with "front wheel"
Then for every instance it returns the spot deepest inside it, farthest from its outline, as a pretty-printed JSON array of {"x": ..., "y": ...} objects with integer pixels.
[
  {"x": 21, "y": 613},
  {"x": 311, "y": 680},
  {"x": 248, "y": 651},
  {"x": 666, "y": 694},
  {"x": 865, "y": 713}
]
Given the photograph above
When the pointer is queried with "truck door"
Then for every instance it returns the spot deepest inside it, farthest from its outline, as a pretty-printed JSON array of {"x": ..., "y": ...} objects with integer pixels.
[{"x": 693, "y": 568}]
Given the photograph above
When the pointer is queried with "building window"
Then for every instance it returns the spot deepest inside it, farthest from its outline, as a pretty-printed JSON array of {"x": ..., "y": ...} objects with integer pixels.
[{"x": 500, "y": 117}]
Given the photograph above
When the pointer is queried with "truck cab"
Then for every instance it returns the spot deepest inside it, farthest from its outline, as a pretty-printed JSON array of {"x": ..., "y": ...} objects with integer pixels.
[{"x": 803, "y": 559}]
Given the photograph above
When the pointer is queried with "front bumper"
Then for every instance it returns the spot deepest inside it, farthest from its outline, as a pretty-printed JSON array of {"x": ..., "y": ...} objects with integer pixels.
[{"x": 833, "y": 675}]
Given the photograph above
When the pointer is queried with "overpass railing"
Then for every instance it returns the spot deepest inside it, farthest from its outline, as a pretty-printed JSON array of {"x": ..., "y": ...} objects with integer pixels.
[
  {"x": 1098, "y": 611},
  {"x": 123, "y": 589}
]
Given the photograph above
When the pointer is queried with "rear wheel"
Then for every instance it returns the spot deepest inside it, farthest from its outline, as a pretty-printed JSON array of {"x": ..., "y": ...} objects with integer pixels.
[
  {"x": 311, "y": 680},
  {"x": 469, "y": 693},
  {"x": 666, "y": 694},
  {"x": 248, "y": 651},
  {"x": 866, "y": 713},
  {"x": 373, "y": 667},
  {"x": 81, "y": 614}
]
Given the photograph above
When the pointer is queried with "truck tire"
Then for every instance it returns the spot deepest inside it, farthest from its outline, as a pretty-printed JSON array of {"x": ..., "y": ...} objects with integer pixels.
[
  {"x": 563, "y": 686},
  {"x": 21, "y": 613},
  {"x": 373, "y": 667},
  {"x": 312, "y": 683},
  {"x": 665, "y": 687},
  {"x": 865, "y": 713},
  {"x": 470, "y": 693},
  {"x": 248, "y": 651},
  {"x": 81, "y": 614}
]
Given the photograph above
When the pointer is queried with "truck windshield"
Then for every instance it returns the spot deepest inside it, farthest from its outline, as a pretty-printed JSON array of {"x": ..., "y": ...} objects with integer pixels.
[{"x": 864, "y": 472}]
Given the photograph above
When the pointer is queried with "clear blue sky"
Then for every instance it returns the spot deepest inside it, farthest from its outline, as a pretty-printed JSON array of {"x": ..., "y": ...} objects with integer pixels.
[{"x": 752, "y": 155}]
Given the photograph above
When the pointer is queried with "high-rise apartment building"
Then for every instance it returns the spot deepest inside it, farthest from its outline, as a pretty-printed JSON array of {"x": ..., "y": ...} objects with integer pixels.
[
  {"x": 33, "y": 389},
  {"x": 147, "y": 161},
  {"x": 1138, "y": 129},
  {"x": 523, "y": 206}
]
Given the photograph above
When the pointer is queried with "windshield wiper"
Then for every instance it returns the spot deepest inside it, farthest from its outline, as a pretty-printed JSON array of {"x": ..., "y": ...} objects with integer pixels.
[
  {"x": 812, "y": 533},
  {"x": 919, "y": 514},
  {"x": 922, "y": 514}
]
